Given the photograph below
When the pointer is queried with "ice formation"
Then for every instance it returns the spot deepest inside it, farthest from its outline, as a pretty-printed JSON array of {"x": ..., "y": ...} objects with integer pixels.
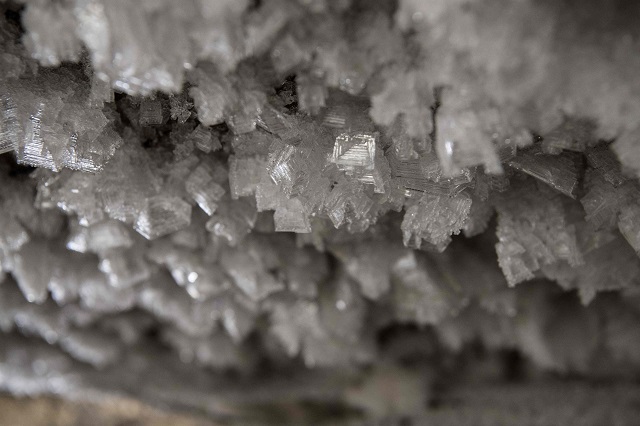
[{"x": 195, "y": 188}]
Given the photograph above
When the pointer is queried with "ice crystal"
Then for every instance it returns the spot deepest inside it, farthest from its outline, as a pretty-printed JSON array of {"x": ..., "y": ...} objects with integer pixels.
[
  {"x": 533, "y": 232},
  {"x": 162, "y": 215},
  {"x": 435, "y": 219},
  {"x": 293, "y": 185},
  {"x": 559, "y": 172}
]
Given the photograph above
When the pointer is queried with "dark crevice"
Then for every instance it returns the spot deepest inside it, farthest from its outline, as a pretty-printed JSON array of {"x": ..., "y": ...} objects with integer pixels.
[{"x": 437, "y": 96}]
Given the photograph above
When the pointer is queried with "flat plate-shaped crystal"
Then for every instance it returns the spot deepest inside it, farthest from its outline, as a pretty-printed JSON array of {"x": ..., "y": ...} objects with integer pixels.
[
  {"x": 163, "y": 215},
  {"x": 353, "y": 152},
  {"x": 558, "y": 171}
]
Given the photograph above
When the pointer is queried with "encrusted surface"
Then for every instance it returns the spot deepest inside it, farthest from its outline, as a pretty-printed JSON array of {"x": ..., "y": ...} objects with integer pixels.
[{"x": 201, "y": 189}]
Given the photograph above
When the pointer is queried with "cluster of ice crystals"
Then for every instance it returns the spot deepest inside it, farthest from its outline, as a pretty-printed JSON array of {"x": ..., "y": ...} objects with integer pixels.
[
  {"x": 231, "y": 184},
  {"x": 48, "y": 122},
  {"x": 533, "y": 232},
  {"x": 435, "y": 218}
]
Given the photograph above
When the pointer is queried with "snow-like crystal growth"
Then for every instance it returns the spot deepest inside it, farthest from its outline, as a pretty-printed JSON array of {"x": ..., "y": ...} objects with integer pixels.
[
  {"x": 435, "y": 219},
  {"x": 409, "y": 96},
  {"x": 50, "y": 35},
  {"x": 49, "y": 124},
  {"x": 461, "y": 138},
  {"x": 533, "y": 232},
  {"x": 222, "y": 205}
]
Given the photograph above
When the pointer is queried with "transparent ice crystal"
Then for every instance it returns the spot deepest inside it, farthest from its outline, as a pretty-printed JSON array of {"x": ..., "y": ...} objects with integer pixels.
[
  {"x": 203, "y": 189},
  {"x": 49, "y": 124},
  {"x": 356, "y": 156},
  {"x": 162, "y": 215},
  {"x": 559, "y": 172}
]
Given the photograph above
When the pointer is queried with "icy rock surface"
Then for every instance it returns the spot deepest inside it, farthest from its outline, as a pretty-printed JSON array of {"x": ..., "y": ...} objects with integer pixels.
[{"x": 206, "y": 188}]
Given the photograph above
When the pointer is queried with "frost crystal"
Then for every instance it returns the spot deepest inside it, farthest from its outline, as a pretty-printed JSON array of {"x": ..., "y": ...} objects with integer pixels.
[
  {"x": 560, "y": 172},
  {"x": 356, "y": 156},
  {"x": 239, "y": 206},
  {"x": 162, "y": 215},
  {"x": 459, "y": 143},
  {"x": 50, "y": 33},
  {"x": 533, "y": 232},
  {"x": 203, "y": 189},
  {"x": 435, "y": 219}
]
